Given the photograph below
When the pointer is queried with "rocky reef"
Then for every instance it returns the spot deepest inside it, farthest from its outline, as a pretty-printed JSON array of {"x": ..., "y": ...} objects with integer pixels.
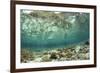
[{"x": 78, "y": 52}]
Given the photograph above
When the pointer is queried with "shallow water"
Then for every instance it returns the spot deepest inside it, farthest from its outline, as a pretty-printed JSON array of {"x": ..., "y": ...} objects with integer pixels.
[{"x": 49, "y": 32}]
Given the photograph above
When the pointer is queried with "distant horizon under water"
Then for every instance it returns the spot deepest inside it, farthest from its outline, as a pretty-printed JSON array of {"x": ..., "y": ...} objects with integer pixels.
[{"x": 48, "y": 30}]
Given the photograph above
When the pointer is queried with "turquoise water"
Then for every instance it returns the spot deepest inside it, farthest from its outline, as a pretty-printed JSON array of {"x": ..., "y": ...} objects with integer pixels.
[{"x": 49, "y": 30}]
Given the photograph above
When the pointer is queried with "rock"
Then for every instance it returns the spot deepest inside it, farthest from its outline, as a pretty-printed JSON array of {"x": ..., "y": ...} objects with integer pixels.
[
  {"x": 46, "y": 58},
  {"x": 26, "y": 55},
  {"x": 54, "y": 51},
  {"x": 37, "y": 60},
  {"x": 74, "y": 57},
  {"x": 84, "y": 50},
  {"x": 63, "y": 59},
  {"x": 83, "y": 56},
  {"x": 62, "y": 55},
  {"x": 87, "y": 43},
  {"x": 77, "y": 48},
  {"x": 54, "y": 56},
  {"x": 69, "y": 55}
]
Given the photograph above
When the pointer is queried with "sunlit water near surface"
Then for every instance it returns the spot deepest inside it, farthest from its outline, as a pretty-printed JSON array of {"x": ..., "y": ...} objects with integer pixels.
[{"x": 45, "y": 30}]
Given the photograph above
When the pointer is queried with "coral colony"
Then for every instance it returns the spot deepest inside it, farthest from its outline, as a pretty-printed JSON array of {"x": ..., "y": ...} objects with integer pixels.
[{"x": 48, "y": 36}]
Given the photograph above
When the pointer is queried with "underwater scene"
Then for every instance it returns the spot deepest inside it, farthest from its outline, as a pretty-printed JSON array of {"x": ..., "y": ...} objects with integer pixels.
[{"x": 50, "y": 36}]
